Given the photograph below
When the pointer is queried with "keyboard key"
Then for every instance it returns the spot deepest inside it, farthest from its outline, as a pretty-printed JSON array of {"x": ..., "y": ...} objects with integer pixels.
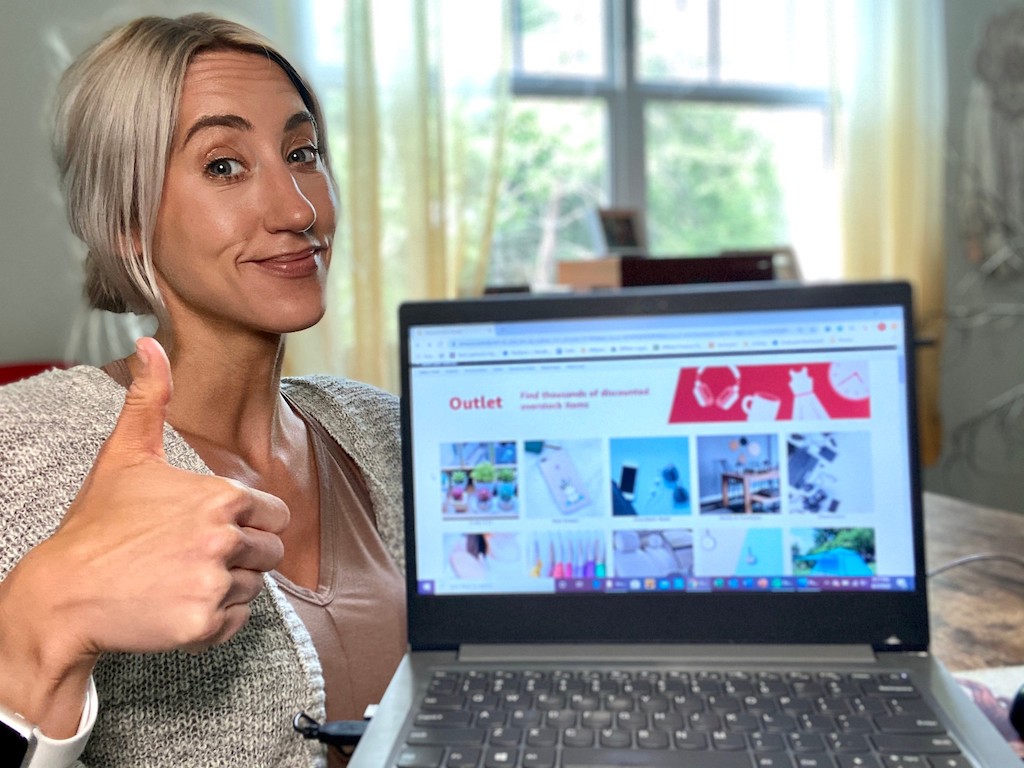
[
  {"x": 949, "y": 761},
  {"x": 857, "y": 761},
  {"x": 624, "y": 758},
  {"x": 773, "y": 761},
  {"x": 541, "y": 737},
  {"x": 444, "y": 717},
  {"x": 463, "y": 757},
  {"x": 819, "y": 760},
  {"x": 501, "y": 758},
  {"x": 420, "y": 757},
  {"x": 893, "y": 743},
  {"x": 725, "y": 740},
  {"x": 539, "y": 758},
  {"x": 435, "y": 702},
  {"x": 908, "y": 724},
  {"x": 613, "y": 737},
  {"x": 767, "y": 742},
  {"x": 419, "y": 737},
  {"x": 652, "y": 739},
  {"x": 578, "y": 737},
  {"x": 500, "y": 736},
  {"x": 691, "y": 740},
  {"x": 596, "y": 719}
]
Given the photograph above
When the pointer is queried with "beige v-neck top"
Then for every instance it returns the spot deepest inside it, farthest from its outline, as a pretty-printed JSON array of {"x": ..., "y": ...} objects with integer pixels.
[{"x": 356, "y": 616}]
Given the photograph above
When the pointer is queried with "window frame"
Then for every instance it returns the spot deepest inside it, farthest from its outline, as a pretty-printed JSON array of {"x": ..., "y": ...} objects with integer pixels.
[{"x": 625, "y": 98}]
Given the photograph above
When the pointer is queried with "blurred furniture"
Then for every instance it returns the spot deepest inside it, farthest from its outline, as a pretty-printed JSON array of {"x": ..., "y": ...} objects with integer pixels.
[
  {"x": 725, "y": 267},
  {"x": 10, "y": 372},
  {"x": 976, "y": 609}
]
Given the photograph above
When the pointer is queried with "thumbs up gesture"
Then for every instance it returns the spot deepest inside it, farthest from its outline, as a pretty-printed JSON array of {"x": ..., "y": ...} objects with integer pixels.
[
  {"x": 149, "y": 557},
  {"x": 176, "y": 556}
]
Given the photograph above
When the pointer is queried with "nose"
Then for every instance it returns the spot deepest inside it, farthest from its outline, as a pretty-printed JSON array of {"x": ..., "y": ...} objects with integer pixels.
[{"x": 288, "y": 207}]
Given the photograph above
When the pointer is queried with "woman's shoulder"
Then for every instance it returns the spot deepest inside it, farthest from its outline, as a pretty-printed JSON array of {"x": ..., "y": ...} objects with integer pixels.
[
  {"x": 345, "y": 400},
  {"x": 51, "y": 428},
  {"x": 78, "y": 398}
]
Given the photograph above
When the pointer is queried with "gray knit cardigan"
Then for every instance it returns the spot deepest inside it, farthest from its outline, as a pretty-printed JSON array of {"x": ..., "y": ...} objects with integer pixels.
[{"x": 232, "y": 705}]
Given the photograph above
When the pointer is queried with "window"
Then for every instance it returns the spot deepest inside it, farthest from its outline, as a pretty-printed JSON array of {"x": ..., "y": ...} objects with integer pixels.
[{"x": 712, "y": 116}]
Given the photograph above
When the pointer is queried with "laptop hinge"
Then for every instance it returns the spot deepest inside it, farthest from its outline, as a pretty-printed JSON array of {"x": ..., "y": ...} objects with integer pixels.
[{"x": 677, "y": 654}]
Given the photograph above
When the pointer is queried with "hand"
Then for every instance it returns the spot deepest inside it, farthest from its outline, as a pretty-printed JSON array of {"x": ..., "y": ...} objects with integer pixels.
[{"x": 148, "y": 558}]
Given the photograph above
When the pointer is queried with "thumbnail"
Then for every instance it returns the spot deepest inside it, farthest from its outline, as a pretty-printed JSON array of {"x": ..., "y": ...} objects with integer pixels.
[
  {"x": 651, "y": 476},
  {"x": 829, "y": 472},
  {"x": 738, "y": 474},
  {"x": 561, "y": 478},
  {"x": 833, "y": 551},
  {"x": 479, "y": 481}
]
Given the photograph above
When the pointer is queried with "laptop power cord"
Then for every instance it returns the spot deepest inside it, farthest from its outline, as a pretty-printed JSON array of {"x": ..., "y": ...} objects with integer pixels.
[{"x": 343, "y": 734}]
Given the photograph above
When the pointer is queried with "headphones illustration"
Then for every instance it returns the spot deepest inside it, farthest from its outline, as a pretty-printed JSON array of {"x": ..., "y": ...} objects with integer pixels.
[{"x": 725, "y": 399}]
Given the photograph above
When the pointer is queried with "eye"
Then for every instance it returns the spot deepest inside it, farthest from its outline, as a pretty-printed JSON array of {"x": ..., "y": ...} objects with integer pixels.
[
  {"x": 304, "y": 155},
  {"x": 224, "y": 167}
]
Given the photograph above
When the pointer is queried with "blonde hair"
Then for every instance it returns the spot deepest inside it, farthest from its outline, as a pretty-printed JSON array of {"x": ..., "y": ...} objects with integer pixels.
[{"x": 117, "y": 106}]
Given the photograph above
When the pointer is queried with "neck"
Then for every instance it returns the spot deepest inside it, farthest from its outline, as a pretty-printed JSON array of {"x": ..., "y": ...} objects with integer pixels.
[{"x": 227, "y": 394}]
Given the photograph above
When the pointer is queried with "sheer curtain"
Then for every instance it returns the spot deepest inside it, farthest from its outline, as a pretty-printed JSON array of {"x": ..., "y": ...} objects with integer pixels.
[
  {"x": 417, "y": 123},
  {"x": 892, "y": 142}
]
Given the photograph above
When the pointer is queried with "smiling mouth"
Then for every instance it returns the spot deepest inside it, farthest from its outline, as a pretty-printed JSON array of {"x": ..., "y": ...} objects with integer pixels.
[{"x": 298, "y": 264}]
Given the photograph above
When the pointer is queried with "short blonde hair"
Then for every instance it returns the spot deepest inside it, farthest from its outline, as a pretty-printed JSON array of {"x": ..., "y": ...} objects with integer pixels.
[{"x": 117, "y": 106}]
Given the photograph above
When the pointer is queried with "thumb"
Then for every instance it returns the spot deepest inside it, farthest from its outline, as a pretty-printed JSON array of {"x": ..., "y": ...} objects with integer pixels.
[{"x": 140, "y": 427}]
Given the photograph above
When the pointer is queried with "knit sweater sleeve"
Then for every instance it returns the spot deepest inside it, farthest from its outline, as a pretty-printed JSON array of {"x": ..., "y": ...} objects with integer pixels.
[{"x": 231, "y": 705}]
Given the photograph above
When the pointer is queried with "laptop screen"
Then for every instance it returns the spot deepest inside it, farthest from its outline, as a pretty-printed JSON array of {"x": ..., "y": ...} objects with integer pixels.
[{"x": 665, "y": 442}]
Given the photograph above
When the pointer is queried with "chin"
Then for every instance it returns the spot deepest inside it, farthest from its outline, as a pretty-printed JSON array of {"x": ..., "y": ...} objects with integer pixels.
[{"x": 294, "y": 325}]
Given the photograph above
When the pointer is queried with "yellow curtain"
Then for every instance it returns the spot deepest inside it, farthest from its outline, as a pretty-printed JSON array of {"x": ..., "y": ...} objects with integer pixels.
[
  {"x": 416, "y": 142},
  {"x": 891, "y": 143}
]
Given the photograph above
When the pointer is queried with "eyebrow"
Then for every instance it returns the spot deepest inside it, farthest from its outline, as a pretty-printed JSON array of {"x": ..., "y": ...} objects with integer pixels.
[
  {"x": 300, "y": 118},
  {"x": 240, "y": 123}
]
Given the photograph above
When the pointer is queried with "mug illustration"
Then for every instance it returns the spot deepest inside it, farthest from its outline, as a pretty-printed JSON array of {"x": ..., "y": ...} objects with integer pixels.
[{"x": 761, "y": 406}]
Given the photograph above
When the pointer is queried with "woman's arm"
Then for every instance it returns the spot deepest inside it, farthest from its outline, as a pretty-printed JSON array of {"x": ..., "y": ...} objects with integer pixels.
[{"x": 149, "y": 558}]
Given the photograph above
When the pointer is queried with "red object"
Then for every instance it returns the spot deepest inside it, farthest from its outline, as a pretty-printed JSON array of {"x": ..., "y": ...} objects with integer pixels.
[{"x": 16, "y": 371}]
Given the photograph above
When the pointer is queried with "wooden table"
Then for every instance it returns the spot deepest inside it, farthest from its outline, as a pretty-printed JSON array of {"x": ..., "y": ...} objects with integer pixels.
[
  {"x": 746, "y": 479},
  {"x": 977, "y": 609}
]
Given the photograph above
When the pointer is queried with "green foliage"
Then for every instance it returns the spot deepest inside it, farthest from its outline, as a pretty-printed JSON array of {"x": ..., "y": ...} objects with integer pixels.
[
  {"x": 483, "y": 472},
  {"x": 712, "y": 183},
  {"x": 860, "y": 540}
]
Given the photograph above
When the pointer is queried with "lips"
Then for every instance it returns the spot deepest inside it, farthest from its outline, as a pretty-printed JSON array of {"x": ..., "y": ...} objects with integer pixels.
[{"x": 296, "y": 264}]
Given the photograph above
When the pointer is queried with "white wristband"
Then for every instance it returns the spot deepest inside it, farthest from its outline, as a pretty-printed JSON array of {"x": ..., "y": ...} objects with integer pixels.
[{"x": 62, "y": 753}]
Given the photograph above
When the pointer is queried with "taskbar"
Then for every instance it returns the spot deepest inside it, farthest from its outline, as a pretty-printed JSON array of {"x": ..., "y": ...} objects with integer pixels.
[{"x": 692, "y": 584}]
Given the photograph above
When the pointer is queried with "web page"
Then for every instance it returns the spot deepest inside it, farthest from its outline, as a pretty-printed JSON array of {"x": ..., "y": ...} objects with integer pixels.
[{"x": 742, "y": 452}]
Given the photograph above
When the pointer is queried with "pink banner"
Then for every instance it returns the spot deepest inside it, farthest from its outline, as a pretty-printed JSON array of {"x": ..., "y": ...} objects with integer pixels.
[{"x": 795, "y": 392}]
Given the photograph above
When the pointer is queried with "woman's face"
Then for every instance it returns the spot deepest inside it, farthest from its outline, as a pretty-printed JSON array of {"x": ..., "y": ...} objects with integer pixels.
[{"x": 243, "y": 234}]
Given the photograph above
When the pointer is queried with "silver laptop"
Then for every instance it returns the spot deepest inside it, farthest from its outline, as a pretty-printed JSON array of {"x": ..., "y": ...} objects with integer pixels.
[{"x": 667, "y": 527}]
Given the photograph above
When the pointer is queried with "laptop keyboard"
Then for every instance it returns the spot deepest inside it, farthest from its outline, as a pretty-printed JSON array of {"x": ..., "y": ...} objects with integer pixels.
[{"x": 679, "y": 719}]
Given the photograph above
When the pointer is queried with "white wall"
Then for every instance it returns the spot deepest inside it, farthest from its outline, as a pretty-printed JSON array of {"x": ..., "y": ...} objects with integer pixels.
[{"x": 40, "y": 277}]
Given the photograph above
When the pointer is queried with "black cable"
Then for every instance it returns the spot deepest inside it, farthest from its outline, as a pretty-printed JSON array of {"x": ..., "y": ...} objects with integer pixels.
[
  {"x": 981, "y": 556},
  {"x": 342, "y": 734}
]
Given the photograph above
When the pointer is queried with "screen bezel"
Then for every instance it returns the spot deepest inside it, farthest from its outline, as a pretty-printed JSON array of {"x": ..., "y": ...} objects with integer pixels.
[{"x": 889, "y": 620}]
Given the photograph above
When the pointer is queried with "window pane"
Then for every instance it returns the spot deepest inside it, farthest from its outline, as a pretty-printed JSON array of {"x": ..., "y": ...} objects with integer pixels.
[
  {"x": 721, "y": 178},
  {"x": 554, "y": 174},
  {"x": 762, "y": 42},
  {"x": 779, "y": 42},
  {"x": 560, "y": 38},
  {"x": 672, "y": 40}
]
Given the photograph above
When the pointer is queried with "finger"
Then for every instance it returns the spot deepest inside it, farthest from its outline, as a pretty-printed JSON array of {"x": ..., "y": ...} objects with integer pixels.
[
  {"x": 233, "y": 619},
  {"x": 258, "y": 551},
  {"x": 245, "y": 585},
  {"x": 140, "y": 428},
  {"x": 263, "y": 511}
]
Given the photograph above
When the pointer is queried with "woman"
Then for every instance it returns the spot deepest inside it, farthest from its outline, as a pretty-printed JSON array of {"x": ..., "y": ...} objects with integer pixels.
[{"x": 230, "y": 550}]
